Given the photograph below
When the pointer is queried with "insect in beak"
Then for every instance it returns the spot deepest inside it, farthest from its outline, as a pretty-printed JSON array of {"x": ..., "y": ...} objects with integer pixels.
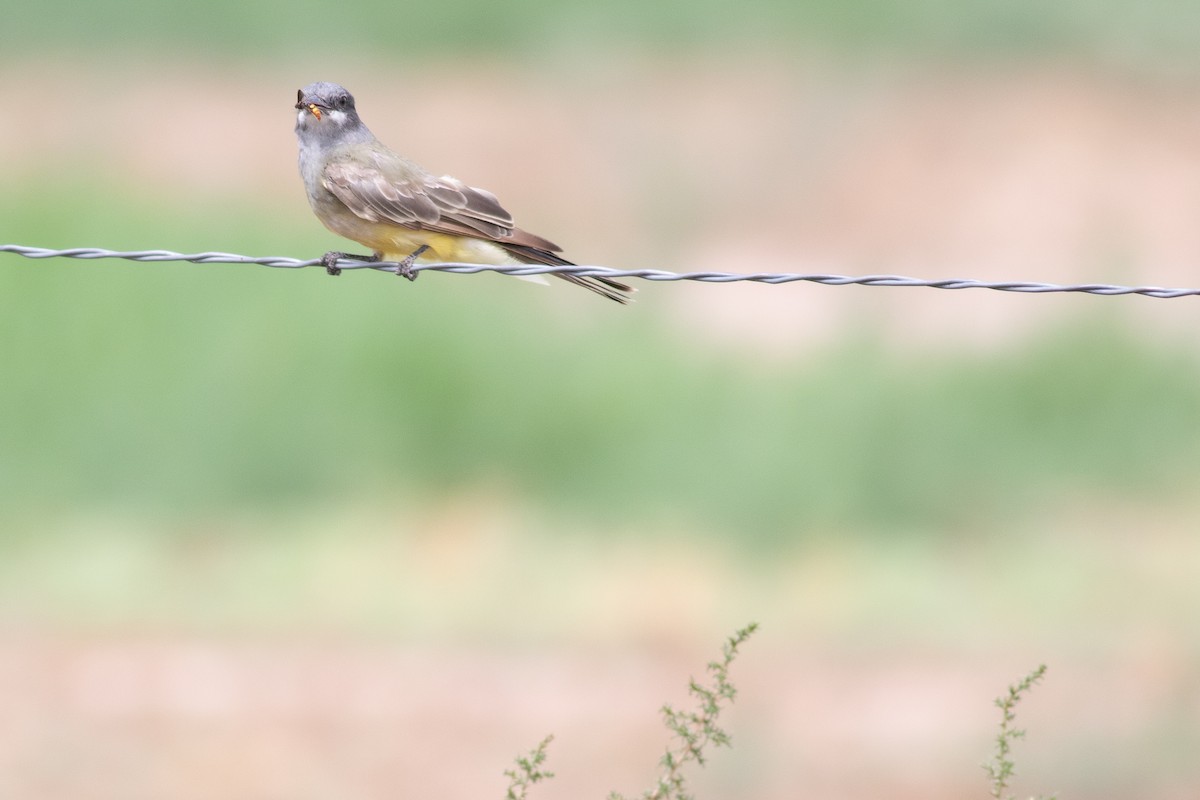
[{"x": 312, "y": 108}]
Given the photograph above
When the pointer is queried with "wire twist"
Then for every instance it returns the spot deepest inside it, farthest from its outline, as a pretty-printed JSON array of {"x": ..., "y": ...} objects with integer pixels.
[{"x": 1026, "y": 287}]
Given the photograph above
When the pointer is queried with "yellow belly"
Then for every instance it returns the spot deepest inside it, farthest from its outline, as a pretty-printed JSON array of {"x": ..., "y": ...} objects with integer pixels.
[
  {"x": 442, "y": 247},
  {"x": 395, "y": 243}
]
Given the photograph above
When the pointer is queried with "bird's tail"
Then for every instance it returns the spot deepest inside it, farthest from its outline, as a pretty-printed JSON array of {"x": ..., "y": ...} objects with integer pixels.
[{"x": 605, "y": 287}]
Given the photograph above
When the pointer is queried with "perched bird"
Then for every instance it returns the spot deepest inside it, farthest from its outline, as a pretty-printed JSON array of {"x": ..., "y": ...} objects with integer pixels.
[{"x": 363, "y": 191}]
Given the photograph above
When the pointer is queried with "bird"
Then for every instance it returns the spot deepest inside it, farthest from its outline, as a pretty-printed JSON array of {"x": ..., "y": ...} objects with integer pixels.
[{"x": 362, "y": 190}]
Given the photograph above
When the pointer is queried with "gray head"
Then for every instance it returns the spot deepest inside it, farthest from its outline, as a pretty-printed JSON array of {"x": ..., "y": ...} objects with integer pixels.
[{"x": 326, "y": 115}]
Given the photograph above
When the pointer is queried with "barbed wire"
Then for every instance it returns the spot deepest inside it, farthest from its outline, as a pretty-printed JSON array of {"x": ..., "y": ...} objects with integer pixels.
[{"x": 1027, "y": 287}]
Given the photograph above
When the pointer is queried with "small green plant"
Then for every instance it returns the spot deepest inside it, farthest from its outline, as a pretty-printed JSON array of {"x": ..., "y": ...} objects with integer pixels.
[
  {"x": 695, "y": 731},
  {"x": 528, "y": 772},
  {"x": 1001, "y": 768}
]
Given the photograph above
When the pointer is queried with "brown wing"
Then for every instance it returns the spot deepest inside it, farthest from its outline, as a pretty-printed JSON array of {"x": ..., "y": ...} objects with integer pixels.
[
  {"x": 408, "y": 196},
  {"x": 394, "y": 190}
]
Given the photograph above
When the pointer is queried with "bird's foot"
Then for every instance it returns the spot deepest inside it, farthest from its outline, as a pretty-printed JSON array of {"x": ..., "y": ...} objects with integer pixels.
[
  {"x": 330, "y": 259},
  {"x": 405, "y": 270}
]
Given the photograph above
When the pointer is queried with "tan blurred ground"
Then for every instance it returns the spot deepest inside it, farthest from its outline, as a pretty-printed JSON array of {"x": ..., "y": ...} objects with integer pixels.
[
  {"x": 139, "y": 717},
  {"x": 403, "y": 657},
  {"x": 417, "y": 657}
]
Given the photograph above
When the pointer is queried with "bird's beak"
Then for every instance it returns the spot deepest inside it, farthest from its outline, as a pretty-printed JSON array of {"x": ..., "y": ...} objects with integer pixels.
[{"x": 312, "y": 108}]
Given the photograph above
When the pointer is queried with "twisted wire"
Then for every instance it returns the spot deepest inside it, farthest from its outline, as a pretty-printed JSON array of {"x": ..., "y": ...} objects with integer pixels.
[{"x": 1027, "y": 287}]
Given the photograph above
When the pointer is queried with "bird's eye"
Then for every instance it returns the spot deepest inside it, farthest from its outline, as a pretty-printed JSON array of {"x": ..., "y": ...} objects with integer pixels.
[{"x": 343, "y": 101}]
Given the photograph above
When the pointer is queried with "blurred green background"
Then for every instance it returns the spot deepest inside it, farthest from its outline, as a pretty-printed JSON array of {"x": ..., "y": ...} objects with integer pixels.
[{"x": 218, "y": 480}]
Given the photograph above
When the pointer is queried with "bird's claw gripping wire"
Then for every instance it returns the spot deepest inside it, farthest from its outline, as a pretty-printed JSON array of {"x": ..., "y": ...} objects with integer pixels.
[
  {"x": 405, "y": 270},
  {"x": 330, "y": 259}
]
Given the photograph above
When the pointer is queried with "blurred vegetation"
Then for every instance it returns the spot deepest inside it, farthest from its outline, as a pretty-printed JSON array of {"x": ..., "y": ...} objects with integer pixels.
[
  {"x": 1158, "y": 30},
  {"x": 177, "y": 388}
]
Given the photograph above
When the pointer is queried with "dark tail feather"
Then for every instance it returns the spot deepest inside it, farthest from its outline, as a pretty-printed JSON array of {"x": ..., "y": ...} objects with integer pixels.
[{"x": 605, "y": 287}]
